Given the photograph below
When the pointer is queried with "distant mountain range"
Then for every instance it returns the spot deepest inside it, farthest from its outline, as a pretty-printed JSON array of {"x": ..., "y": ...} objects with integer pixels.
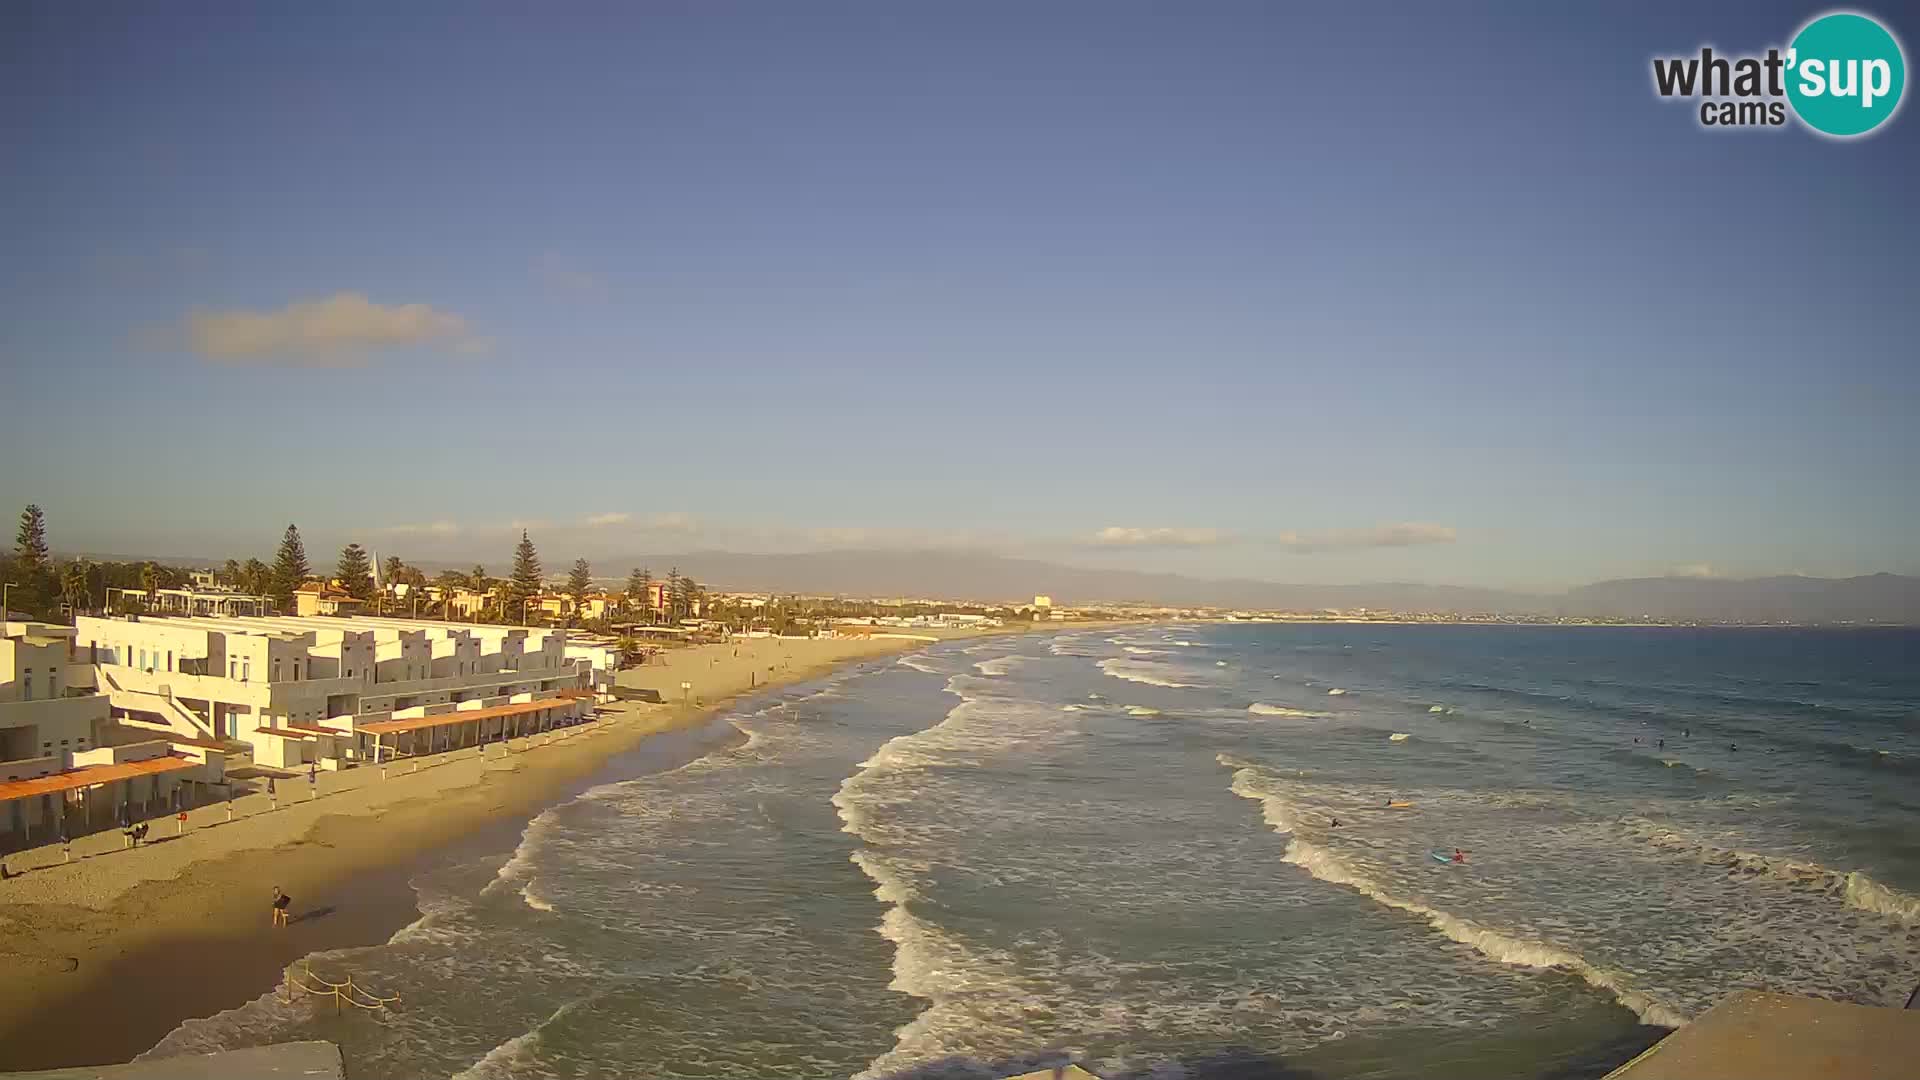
[
  {"x": 984, "y": 577},
  {"x": 961, "y": 575}
]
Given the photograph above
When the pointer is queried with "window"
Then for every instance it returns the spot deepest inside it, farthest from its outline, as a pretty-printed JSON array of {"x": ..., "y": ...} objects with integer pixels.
[
  {"x": 233, "y": 669},
  {"x": 246, "y": 670},
  {"x": 29, "y": 684}
]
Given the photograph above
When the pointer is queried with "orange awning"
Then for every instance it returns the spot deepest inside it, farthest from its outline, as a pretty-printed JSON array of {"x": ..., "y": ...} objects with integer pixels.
[
  {"x": 395, "y": 727},
  {"x": 89, "y": 775}
]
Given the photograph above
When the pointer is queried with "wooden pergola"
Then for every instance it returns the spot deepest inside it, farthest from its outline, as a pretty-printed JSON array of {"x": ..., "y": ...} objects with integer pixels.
[
  {"x": 87, "y": 778},
  {"x": 448, "y": 731}
]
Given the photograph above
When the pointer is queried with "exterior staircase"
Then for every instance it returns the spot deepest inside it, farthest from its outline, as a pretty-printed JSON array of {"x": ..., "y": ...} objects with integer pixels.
[{"x": 159, "y": 712}]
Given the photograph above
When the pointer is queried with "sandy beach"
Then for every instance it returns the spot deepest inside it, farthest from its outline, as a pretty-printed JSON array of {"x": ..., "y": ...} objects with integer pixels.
[{"x": 105, "y": 955}]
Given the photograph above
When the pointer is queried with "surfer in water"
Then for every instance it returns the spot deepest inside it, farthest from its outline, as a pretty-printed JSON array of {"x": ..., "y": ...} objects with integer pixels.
[{"x": 1459, "y": 856}]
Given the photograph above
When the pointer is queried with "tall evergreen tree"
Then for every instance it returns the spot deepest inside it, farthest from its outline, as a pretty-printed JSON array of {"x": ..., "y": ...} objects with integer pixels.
[
  {"x": 580, "y": 581},
  {"x": 525, "y": 579},
  {"x": 639, "y": 590},
  {"x": 290, "y": 569},
  {"x": 355, "y": 572},
  {"x": 32, "y": 572},
  {"x": 673, "y": 595}
]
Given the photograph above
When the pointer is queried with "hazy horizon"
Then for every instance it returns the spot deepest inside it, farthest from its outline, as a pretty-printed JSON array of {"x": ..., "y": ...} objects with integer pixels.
[{"x": 1112, "y": 286}]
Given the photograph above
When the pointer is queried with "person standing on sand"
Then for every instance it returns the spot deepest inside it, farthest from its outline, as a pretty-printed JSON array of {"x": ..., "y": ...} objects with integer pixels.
[{"x": 281, "y": 901}]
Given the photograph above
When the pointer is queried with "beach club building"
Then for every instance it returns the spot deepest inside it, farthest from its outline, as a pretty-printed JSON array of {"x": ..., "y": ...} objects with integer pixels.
[
  {"x": 64, "y": 763},
  {"x": 330, "y": 692}
]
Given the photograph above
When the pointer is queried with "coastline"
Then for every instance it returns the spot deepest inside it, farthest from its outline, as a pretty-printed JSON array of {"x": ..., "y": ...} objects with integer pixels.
[{"x": 104, "y": 957}]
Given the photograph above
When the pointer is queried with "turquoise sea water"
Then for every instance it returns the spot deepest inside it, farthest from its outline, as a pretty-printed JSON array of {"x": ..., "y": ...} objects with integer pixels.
[{"x": 1121, "y": 847}]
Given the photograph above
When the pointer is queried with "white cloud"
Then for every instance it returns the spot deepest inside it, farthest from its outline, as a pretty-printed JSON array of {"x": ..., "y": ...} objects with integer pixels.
[
  {"x": 1403, "y": 534},
  {"x": 595, "y": 521},
  {"x": 673, "y": 521},
  {"x": 1693, "y": 570},
  {"x": 341, "y": 328},
  {"x": 1129, "y": 536},
  {"x": 528, "y": 524},
  {"x": 434, "y": 528},
  {"x": 565, "y": 275}
]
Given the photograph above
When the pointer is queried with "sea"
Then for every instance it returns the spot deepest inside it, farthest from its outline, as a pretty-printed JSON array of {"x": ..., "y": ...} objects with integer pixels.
[{"x": 1184, "y": 851}]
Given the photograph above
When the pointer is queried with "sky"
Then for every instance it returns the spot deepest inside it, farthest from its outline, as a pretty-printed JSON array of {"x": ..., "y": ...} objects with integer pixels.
[{"x": 1432, "y": 293}]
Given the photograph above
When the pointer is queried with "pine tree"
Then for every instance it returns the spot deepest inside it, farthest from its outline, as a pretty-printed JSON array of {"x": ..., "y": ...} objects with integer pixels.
[
  {"x": 673, "y": 595},
  {"x": 32, "y": 570},
  {"x": 355, "y": 572},
  {"x": 580, "y": 581},
  {"x": 290, "y": 569},
  {"x": 639, "y": 588},
  {"x": 524, "y": 583}
]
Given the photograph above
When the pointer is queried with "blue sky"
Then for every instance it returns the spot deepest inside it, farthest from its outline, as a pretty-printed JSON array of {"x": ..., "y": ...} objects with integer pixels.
[{"x": 1227, "y": 289}]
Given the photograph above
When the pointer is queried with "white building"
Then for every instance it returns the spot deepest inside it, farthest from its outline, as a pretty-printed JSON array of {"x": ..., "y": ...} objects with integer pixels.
[
  {"x": 328, "y": 692},
  {"x": 62, "y": 759}
]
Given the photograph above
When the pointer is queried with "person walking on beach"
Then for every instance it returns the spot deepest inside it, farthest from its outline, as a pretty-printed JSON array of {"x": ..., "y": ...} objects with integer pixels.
[{"x": 281, "y": 901}]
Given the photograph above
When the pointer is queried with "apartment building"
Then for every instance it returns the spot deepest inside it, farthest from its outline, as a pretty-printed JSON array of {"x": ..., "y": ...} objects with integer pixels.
[
  {"x": 329, "y": 692},
  {"x": 63, "y": 762}
]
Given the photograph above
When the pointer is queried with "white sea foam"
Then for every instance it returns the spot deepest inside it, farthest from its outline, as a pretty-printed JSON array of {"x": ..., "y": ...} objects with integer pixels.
[
  {"x": 918, "y": 663},
  {"x": 1142, "y": 710},
  {"x": 1000, "y": 665},
  {"x": 1851, "y": 887},
  {"x": 510, "y": 1058},
  {"x": 1144, "y": 671},
  {"x": 1261, "y": 708},
  {"x": 1336, "y": 691},
  {"x": 1437, "y": 708},
  {"x": 1282, "y": 816},
  {"x": 1138, "y": 651}
]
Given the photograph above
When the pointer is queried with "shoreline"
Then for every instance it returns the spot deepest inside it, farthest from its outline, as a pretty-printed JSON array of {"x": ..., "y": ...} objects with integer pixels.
[{"x": 108, "y": 955}]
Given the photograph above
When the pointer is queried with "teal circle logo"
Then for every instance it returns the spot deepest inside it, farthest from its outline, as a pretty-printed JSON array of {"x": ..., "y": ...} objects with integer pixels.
[{"x": 1845, "y": 74}]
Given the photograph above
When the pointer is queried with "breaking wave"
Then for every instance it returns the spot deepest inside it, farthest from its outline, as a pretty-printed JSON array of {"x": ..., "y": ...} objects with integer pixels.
[
  {"x": 1281, "y": 816},
  {"x": 1851, "y": 887},
  {"x": 1261, "y": 708},
  {"x": 1145, "y": 672}
]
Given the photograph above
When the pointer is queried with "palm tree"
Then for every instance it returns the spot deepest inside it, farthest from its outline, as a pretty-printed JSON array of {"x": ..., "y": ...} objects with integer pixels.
[
  {"x": 149, "y": 579},
  {"x": 74, "y": 588}
]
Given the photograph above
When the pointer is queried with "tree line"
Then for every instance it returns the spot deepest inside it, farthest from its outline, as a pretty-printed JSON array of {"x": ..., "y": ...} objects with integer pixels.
[{"x": 39, "y": 586}]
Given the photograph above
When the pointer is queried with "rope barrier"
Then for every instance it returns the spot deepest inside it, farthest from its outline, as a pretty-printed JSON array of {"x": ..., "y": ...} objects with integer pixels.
[{"x": 341, "y": 992}]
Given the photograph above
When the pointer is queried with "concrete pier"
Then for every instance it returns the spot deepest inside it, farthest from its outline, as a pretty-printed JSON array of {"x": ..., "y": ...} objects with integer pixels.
[
  {"x": 284, "y": 1061},
  {"x": 1753, "y": 1034}
]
